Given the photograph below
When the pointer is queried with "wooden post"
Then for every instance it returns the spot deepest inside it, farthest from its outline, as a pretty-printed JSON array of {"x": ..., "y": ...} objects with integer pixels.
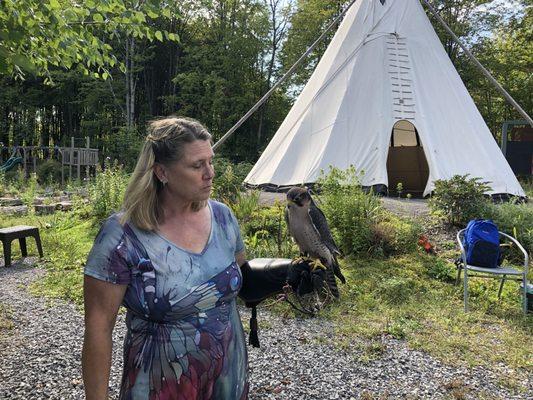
[
  {"x": 60, "y": 151},
  {"x": 80, "y": 152},
  {"x": 71, "y": 158},
  {"x": 24, "y": 161},
  {"x": 87, "y": 146}
]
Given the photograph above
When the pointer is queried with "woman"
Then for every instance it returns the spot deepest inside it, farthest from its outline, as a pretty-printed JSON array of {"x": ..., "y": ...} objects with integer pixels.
[{"x": 172, "y": 259}]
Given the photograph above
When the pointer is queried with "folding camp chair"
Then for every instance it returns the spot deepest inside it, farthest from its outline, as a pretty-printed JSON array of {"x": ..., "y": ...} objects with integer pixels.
[{"x": 501, "y": 272}]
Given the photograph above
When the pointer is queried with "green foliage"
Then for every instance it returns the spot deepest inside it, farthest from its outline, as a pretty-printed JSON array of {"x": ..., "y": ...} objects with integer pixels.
[
  {"x": 107, "y": 191},
  {"x": 308, "y": 22},
  {"x": 515, "y": 220},
  {"x": 31, "y": 187},
  {"x": 245, "y": 206},
  {"x": 227, "y": 184},
  {"x": 460, "y": 199},
  {"x": 349, "y": 210},
  {"x": 265, "y": 233},
  {"x": 123, "y": 147},
  {"x": 442, "y": 270},
  {"x": 3, "y": 183},
  {"x": 63, "y": 33},
  {"x": 6, "y": 319},
  {"x": 396, "y": 290},
  {"x": 391, "y": 234},
  {"x": 49, "y": 172}
]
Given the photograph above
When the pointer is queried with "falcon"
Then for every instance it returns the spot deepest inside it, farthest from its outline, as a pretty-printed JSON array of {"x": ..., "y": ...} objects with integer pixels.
[{"x": 309, "y": 229}]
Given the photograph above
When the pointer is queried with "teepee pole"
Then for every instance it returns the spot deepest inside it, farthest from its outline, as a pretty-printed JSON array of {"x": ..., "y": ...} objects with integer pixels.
[
  {"x": 481, "y": 67},
  {"x": 282, "y": 79}
]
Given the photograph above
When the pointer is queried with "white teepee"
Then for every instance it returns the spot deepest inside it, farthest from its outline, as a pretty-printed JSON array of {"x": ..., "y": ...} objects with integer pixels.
[{"x": 384, "y": 65}]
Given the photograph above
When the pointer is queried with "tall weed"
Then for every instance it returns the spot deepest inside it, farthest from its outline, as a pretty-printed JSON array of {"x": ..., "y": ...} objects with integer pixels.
[
  {"x": 515, "y": 220},
  {"x": 107, "y": 190},
  {"x": 349, "y": 210}
]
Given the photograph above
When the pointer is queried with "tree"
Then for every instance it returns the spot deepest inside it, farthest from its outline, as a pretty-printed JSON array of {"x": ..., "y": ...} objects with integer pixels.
[
  {"x": 37, "y": 35},
  {"x": 307, "y": 23}
]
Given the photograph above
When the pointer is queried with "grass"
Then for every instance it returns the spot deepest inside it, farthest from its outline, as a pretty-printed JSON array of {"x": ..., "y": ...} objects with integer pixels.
[
  {"x": 5, "y": 319},
  {"x": 66, "y": 239},
  {"x": 397, "y": 297},
  {"x": 410, "y": 297}
]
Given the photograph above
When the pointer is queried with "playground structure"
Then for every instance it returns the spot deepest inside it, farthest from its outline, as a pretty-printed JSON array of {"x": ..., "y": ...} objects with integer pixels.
[{"x": 77, "y": 159}]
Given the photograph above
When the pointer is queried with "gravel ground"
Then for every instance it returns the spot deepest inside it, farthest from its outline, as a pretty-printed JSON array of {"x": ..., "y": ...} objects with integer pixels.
[{"x": 40, "y": 358}]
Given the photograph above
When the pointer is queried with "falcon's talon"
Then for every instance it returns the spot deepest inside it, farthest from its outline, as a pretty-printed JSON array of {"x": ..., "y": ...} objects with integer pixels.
[
  {"x": 300, "y": 259},
  {"x": 316, "y": 264}
]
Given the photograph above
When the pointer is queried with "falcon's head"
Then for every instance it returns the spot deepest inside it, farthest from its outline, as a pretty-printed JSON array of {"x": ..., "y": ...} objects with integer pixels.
[{"x": 298, "y": 196}]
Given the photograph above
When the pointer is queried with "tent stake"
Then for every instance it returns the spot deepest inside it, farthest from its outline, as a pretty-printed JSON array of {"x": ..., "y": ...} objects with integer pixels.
[{"x": 481, "y": 67}]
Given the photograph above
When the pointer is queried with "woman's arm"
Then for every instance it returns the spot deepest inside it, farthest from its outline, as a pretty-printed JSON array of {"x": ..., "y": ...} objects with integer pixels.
[
  {"x": 102, "y": 300},
  {"x": 240, "y": 258}
]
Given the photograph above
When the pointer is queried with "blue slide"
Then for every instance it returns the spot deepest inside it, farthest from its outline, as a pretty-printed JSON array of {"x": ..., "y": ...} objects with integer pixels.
[{"x": 10, "y": 164}]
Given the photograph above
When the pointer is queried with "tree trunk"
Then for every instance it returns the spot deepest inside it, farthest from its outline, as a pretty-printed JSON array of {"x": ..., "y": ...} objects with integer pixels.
[{"x": 130, "y": 82}]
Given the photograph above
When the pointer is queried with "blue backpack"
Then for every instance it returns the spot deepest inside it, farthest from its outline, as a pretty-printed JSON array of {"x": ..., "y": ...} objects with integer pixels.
[{"x": 482, "y": 243}]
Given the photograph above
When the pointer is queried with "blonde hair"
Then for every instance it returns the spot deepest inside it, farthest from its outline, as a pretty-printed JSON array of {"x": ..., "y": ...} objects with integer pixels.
[{"x": 164, "y": 145}]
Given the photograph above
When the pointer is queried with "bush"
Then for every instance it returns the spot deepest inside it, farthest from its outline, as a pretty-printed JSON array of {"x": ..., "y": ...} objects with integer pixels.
[
  {"x": 393, "y": 235},
  {"x": 107, "y": 190},
  {"x": 349, "y": 210},
  {"x": 227, "y": 184},
  {"x": 460, "y": 199},
  {"x": 515, "y": 220},
  {"x": 49, "y": 172},
  {"x": 245, "y": 205},
  {"x": 267, "y": 219}
]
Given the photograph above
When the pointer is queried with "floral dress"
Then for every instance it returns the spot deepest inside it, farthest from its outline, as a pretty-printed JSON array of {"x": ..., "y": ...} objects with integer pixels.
[{"x": 184, "y": 338}]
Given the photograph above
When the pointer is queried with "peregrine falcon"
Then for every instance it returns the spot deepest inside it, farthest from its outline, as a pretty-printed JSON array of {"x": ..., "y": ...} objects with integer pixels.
[{"x": 309, "y": 228}]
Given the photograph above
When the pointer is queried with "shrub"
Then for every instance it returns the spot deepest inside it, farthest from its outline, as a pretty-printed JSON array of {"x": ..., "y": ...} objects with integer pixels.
[
  {"x": 226, "y": 186},
  {"x": 107, "y": 190},
  {"x": 270, "y": 221},
  {"x": 349, "y": 210},
  {"x": 391, "y": 234},
  {"x": 49, "y": 172},
  {"x": 228, "y": 180},
  {"x": 460, "y": 199},
  {"x": 441, "y": 269},
  {"x": 245, "y": 205},
  {"x": 515, "y": 220}
]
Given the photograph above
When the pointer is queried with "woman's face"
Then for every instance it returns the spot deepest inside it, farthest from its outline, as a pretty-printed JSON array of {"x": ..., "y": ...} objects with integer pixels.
[{"x": 191, "y": 178}]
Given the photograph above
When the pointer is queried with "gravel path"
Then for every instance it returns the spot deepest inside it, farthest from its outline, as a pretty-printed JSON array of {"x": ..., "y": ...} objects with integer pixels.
[
  {"x": 40, "y": 358},
  {"x": 407, "y": 207}
]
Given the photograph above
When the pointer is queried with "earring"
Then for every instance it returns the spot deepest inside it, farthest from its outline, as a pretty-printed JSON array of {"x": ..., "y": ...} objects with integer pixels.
[{"x": 164, "y": 182}]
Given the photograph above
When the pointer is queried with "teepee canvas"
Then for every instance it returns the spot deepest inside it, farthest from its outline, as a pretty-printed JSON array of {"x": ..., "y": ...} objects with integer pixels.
[{"x": 386, "y": 99}]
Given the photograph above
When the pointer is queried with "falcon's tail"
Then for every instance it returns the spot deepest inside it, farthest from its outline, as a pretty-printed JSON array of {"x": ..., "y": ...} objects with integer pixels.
[
  {"x": 337, "y": 270},
  {"x": 332, "y": 283}
]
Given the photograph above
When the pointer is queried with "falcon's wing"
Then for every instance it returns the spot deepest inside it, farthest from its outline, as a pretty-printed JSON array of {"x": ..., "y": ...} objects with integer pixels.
[{"x": 321, "y": 225}]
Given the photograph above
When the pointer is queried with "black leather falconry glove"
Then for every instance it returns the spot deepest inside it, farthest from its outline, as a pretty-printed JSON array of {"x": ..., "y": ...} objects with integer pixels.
[{"x": 261, "y": 278}]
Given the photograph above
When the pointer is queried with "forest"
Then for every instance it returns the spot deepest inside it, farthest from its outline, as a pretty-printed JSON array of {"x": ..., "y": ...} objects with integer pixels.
[{"x": 102, "y": 69}]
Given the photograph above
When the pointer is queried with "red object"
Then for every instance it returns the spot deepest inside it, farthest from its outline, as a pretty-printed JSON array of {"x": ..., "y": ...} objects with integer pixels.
[{"x": 424, "y": 242}]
